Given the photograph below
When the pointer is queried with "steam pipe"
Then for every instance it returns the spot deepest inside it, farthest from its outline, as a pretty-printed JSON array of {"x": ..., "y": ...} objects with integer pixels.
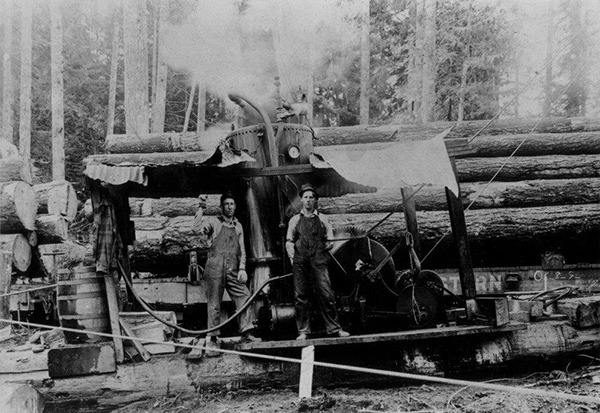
[
  {"x": 150, "y": 311},
  {"x": 271, "y": 144}
]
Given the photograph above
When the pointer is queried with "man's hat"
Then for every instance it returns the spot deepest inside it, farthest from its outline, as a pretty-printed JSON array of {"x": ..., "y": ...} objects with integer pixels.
[
  {"x": 308, "y": 187},
  {"x": 227, "y": 195}
]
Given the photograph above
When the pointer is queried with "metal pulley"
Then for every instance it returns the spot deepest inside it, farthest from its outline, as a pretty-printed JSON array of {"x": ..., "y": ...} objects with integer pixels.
[
  {"x": 352, "y": 262},
  {"x": 419, "y": 293}
]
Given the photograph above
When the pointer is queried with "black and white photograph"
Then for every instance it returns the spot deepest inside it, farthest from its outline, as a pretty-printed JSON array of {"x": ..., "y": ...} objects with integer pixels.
[{"x": 273, "y": 206}]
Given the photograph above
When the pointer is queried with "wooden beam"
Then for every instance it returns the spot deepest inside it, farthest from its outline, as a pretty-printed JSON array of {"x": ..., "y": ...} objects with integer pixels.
[
  {"x": 403, "y": 336},
  {"x": 306, "y": 372},
  {"x": 113, "y": 311},
  {"x": 136, "y": 343}
]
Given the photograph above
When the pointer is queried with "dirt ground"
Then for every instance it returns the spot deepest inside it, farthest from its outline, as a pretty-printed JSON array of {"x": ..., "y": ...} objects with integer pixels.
[{"x": 404, "y": 398}]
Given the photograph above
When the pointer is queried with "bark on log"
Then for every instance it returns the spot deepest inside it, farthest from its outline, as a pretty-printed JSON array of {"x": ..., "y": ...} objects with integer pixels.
[
  {"x": 18, "y": 246},
  {"x": 173, "y": 207},
  {"x": 582, "y": 311},
  {"x": 165, "y": 142},
  {"x": 498, "y": 236},
  {"x": 16, "y": 169},
  {"x": 520, "y": 194},
  {"x": 537, "y": 144},
  {"x": 67, "y": 255},
  {"x": 521, "y": 168},
  {"x": 18, "y": 207},
  {"x": 57, "y": 198},
  {"x": 343, "y": 135},
  {"x": 51, "y": 229},
  {"x": 5, "y": 282},
  {"x": 162, "y": 244}
]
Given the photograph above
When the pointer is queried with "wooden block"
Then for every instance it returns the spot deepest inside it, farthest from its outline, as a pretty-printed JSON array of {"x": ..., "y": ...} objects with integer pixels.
[
  {"x": 160, "y": 348},
  {"x": 520, "y": 316},
  {"x": 306, "y": 372},
  {"x": 82, "y": 359},
  {"x": 496, "y": 308}
]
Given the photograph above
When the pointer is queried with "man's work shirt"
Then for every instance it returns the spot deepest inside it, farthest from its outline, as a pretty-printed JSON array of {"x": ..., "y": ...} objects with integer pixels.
[
  {"x": 292, "y": 232},
  {"x": 211, "y": 226}
]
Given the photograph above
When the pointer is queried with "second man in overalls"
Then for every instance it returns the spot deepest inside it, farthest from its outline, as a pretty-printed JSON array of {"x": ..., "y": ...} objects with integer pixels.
[{"x": 308, "y": 241}]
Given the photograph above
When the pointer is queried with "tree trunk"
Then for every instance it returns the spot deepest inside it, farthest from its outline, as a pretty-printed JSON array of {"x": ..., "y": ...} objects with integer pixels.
[
  {"x": 19, "y": 248},
  {"x": 188, "y": 110},
  {"x": 161, "y": 244},
  {"x": 51, "y": 229},
  {"x": 25, "y": 98},
  {"x": 136, "y": 67},
  {"x": 344, "y": 135},
  {"x": 160, "y": 95},
  {"x": 16, "y": 169},
  {"x": 164, "y": 142},
  {"x": 112, "y": 84},
  {"x": 536, "y": 144},
  {"x": 415, "y": 61},
  {"x": 365, "y": 63},
  {"x": 5, "y": 282},
  {"x": 548, "y": 86},
  {"x": 67, "y": 255},
  {"x": 18, "y": 207},
  {"x": 429, "y": 62},
  {"x": 521, "y": 168},
  {"x": 7, "y": 90},
  {"x": 520, "y": 194},
  {"x": 201, "y": 108},
  {"x": 466, "y": 65},
  {"x": 58, "y": 120},
  {"x": 497, "y": 236},
  {"x": 57, "y": 198},
  {"x": 172, "y": 207}
]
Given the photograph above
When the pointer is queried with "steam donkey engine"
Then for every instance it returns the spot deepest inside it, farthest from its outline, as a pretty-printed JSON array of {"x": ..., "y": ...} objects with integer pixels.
[{"x": 371, "y": 294}]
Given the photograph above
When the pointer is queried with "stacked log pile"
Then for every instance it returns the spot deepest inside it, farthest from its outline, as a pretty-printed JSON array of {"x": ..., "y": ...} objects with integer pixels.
[
  {"x": 32, "y": 216},
  {"x": 545, "y": 198}
]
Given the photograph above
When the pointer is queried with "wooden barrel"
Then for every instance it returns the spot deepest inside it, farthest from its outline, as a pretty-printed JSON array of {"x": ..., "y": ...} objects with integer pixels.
[{"x": 82, "y": 304}]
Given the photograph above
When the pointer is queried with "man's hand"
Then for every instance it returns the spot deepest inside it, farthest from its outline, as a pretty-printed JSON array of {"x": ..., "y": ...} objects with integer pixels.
[
  {"x": 242, "y": 276},
  {"x": 202, "y": 201}
]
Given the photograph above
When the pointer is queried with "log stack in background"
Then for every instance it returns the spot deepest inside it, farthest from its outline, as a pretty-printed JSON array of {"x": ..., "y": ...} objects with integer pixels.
[
  {"x": 31, "y": 216},
  {"x": 544, "y": 199}
]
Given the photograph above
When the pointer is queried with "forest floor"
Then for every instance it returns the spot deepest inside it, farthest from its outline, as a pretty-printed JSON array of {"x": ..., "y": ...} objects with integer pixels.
[{"x": 423, "y": 398}]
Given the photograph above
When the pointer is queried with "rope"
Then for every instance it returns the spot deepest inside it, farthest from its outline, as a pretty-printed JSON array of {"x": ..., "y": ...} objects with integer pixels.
[
  {"x": 388, "y": 373},
  {"x": 448, "y": 231},
  {"x": 46, "y": 287}
]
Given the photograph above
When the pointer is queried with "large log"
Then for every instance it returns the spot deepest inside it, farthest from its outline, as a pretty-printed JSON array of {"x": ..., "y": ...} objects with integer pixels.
[
  {"x": 18, "y": 246},
  {"x": 478, "y": 195},
  {"x": 537, "y": 144},
  {"x": 172, "y": 207},
  {"x": 165, "y": 142},
  {"x": 51, "y": 229},
  {"x": 345, "y": 135},
  {"x": 63, "y": 255},
  {"x": 519, "y": 168},
  {"x": 57, "y": 198},
  {"x": 16, "y": 169},
  {"x": 18, "y": 207},
  {"x": 498, "y": 236}
]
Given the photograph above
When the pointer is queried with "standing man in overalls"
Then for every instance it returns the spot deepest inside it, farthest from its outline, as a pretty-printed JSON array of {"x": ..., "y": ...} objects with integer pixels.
[
  {"x": 225, "y": 268},
  {"x": 309, "y": 238}
]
